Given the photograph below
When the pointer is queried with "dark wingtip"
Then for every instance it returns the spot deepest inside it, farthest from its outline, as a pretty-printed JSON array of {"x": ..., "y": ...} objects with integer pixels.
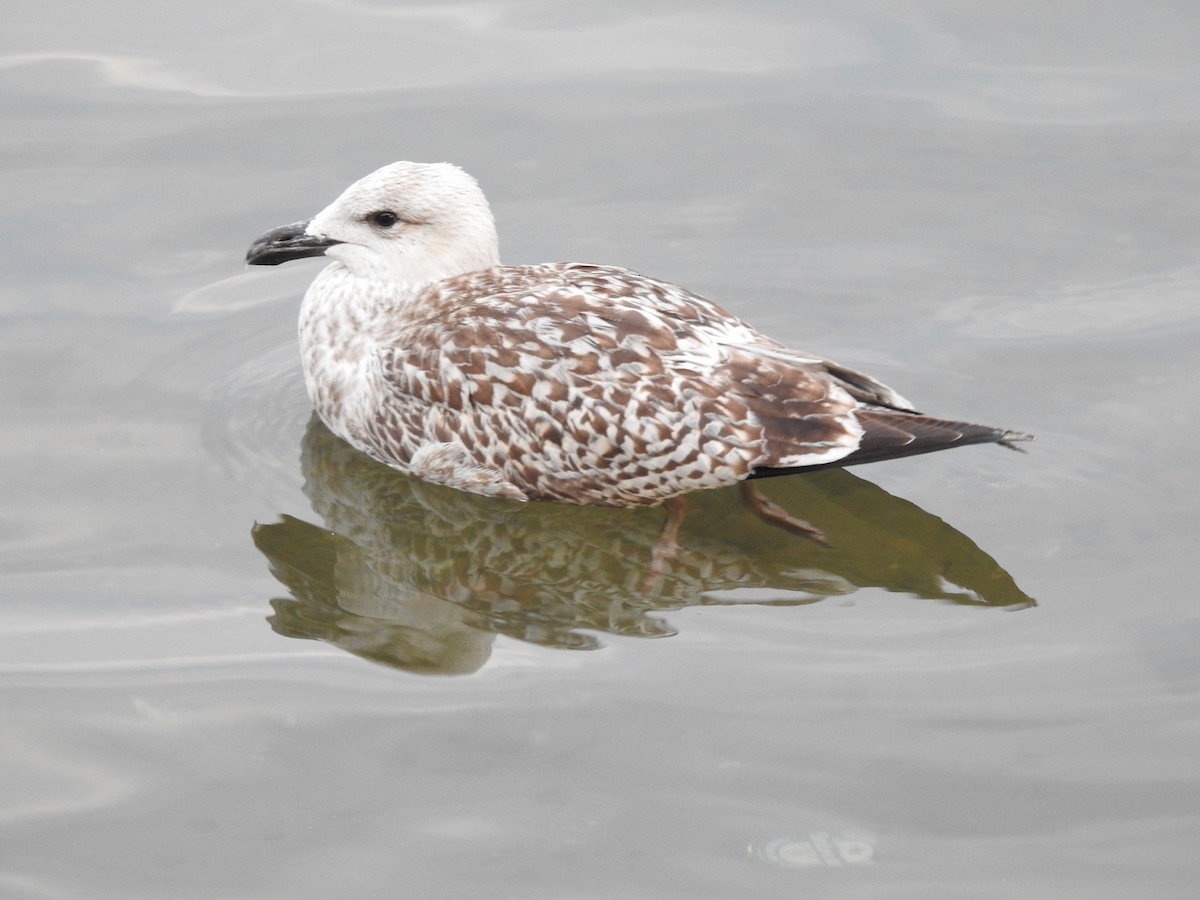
[{"x": 1010, "y": 439}]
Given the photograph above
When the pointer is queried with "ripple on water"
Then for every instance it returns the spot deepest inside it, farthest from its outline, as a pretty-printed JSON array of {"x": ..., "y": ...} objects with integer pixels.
[
  {"x": 253, "y": 423},
  {"x": 247, "y": 367},
  {"x": 817, "y": 849}
]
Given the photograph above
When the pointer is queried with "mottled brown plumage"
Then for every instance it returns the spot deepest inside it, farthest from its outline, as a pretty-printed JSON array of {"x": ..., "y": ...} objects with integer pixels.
[{"x": 576, "y": 383}]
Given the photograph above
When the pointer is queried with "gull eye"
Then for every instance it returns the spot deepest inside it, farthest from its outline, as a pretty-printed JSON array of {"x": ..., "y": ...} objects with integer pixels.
[{"x": 385, "y": 218}]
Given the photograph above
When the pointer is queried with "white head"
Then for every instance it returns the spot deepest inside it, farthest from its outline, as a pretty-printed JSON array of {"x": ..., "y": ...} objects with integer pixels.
[{"x": 407, "y": 223}]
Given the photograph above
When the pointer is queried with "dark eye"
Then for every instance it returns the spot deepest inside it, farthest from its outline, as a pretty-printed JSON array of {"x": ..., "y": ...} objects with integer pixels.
[{"x": 385, "y": 218}]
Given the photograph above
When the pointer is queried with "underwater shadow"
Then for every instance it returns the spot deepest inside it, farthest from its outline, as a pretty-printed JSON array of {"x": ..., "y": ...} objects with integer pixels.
[{"x": 423, "y": 577}]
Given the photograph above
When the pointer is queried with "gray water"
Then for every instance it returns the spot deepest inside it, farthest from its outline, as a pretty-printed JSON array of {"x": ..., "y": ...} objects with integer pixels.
[{"x": 238, "y": 660}]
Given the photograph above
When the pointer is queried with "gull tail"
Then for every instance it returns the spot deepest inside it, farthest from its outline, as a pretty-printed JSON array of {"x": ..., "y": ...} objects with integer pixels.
[{"x": 894, "y": 434}]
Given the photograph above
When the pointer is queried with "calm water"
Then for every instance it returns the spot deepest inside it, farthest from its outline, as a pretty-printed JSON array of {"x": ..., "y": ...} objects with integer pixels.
[{"x": 238, "y": 660}]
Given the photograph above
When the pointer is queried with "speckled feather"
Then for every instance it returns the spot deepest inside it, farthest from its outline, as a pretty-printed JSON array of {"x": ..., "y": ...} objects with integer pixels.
[{"x": 576, "y": 383}]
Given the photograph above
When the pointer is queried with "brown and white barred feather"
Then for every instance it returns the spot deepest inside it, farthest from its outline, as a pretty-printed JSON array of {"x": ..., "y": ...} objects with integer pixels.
[
  {"x": 578, "y": 383},
  {"x": 597, "y": 385}
]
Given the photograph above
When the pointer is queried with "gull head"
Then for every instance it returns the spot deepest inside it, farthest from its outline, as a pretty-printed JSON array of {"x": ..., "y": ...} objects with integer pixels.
[{"x": 407, "y": 223}]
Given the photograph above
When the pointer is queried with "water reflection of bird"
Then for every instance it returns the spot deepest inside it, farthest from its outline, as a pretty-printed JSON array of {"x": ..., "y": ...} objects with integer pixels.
[
  {"x": 576, "y": 383},
  {"x": 422, "y": 577}
]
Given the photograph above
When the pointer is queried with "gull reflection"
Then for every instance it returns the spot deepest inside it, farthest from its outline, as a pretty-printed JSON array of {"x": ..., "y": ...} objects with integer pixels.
[{"x": 422, "y": 577}]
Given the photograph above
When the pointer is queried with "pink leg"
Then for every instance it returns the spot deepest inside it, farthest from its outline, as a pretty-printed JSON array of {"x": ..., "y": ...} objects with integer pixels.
[
  {"x": 667, "y": 546},
  {"x": 774, "y": 514}
]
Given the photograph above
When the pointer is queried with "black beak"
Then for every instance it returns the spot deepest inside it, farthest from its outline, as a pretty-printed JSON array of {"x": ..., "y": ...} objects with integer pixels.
[{"x": 285, "y": 243}]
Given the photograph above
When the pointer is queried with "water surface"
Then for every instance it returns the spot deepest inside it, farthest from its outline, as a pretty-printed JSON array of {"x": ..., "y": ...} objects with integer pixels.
[{"x": 240, "y": 661}]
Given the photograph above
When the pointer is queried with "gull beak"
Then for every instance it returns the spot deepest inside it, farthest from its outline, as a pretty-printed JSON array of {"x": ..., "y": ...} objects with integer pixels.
[{"x": 287, "y": 242}]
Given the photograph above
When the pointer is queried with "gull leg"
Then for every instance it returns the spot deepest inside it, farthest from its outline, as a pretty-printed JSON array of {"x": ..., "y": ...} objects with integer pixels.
[
  {"x": 667, "y": 546},
  {"x": 774, "y": 514}
]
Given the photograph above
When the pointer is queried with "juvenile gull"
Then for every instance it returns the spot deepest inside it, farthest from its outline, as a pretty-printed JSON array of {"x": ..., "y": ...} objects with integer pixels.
[{"x": 563, "y": 381}]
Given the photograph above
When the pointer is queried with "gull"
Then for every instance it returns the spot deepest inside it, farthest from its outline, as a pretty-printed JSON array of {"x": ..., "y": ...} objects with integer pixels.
[{"x": 564, "y": 382}]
